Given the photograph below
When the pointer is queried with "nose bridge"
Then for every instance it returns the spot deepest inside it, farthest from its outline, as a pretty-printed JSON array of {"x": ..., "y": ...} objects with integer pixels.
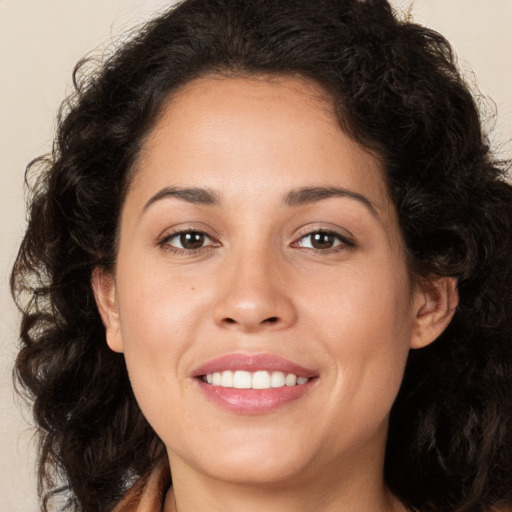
[{"x": 253, "y": 292}]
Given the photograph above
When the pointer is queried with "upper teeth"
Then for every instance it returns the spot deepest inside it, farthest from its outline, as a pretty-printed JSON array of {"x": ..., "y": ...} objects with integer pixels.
[{"x": 253, "y": 380}]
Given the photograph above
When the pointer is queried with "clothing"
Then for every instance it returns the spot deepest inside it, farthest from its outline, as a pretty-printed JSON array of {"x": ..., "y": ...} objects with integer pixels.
[{"x": 148, "y": 493}]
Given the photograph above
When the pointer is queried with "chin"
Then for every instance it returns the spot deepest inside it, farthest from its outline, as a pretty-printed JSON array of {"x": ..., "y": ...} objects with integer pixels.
[
  {"x": 253, "y": 471},
  {"x": 249, "y": 461}
]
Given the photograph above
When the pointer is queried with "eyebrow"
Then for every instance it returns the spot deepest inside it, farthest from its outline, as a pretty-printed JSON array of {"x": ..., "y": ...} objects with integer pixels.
[
  {"x": 194, "y": 195},
  {"x": 307, "y": 195},
  {"x": 296, "y": 197}
]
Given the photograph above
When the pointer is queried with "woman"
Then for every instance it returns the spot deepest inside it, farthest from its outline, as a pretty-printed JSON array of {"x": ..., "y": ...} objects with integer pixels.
[{"x": 271, "y": 252}]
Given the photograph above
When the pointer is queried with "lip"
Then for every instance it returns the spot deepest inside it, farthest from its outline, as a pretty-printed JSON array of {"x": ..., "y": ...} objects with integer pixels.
[
  {"x": 253, "y": 363},
  {"x": 253, "y": 401}
]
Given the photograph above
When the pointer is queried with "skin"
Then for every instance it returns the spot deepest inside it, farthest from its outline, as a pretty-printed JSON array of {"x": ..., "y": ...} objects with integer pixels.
[{"x": 256, "y": 286}]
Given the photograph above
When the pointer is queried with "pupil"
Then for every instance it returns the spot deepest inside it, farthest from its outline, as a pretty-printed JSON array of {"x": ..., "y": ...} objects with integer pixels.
[
  {"x": 322, "y": 241},
  {"x": 192, "y": 240}
]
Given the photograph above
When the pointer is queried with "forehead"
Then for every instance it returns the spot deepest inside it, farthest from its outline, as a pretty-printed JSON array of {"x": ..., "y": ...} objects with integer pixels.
[{"x": 220, "y": 132}]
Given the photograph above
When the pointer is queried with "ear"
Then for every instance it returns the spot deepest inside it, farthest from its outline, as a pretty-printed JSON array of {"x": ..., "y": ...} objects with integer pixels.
[
  {"x": 435, "y": 304},
  {"x": 104, "y": 288}
]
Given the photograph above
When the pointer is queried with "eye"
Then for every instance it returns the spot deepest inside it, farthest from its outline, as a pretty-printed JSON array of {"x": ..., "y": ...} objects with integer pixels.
[
  {"x": 187, "y": 240},
  {"x": 322, "y": 240}
]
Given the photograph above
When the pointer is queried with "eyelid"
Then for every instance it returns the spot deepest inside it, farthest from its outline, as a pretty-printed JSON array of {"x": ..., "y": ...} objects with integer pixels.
[
  {"x": 346, "y": 240},
  {"x": 163, "y": 240}
]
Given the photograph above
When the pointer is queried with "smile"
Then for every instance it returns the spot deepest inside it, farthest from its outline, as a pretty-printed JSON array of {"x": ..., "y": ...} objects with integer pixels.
[
  {"x": 253, "y": 383},
  {"x": 241, "y": 379}
]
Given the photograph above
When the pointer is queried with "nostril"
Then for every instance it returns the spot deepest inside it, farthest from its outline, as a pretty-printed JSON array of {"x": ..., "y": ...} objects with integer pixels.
[{"x": 250, "y": 323}]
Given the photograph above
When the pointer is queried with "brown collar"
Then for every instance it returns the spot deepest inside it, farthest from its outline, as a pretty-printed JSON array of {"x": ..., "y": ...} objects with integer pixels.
[{"x": 148, "y": 493}]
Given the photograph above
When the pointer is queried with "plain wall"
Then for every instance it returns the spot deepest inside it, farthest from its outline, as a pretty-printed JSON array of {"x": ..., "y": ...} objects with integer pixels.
[{"x": 39, "y": 43}]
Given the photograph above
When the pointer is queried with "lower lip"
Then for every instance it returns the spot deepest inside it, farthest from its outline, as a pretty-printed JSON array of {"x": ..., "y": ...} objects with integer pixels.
[{"x": 254, "y": 401}]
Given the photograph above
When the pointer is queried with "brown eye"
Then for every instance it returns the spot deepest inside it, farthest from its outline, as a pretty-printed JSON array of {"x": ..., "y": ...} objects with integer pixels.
[
  {"x": 323, "y": 240},
  {"x": 187, "y": 240},
  {"x": 192, "y": 240}
]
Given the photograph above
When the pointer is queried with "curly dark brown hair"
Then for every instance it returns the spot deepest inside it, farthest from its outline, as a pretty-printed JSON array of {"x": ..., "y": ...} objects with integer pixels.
[{"x": 396, "y": 91}]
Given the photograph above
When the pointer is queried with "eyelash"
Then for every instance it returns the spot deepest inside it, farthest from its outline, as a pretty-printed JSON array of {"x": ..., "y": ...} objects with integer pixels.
[
  {"x": 165, "y": 242},
  {"x": 342, "y": 241}
]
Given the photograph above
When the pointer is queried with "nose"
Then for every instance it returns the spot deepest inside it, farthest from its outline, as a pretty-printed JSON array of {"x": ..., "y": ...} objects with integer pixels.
[{"x": 254, "y": 295}]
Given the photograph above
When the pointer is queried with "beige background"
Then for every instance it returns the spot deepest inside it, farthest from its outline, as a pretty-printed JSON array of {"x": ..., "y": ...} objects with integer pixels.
[{"x": 40, "y": 40}]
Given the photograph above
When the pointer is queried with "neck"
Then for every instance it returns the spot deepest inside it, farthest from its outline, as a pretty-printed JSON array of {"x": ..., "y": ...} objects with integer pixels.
[{"x": 193, "y": 492}]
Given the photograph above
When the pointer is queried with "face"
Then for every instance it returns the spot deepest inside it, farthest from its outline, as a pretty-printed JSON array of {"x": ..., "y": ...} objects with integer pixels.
[{"x": 261, "y": 296}]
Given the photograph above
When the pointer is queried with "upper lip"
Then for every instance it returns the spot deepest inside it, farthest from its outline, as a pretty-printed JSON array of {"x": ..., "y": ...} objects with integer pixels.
[{"x": 252, "y": 363}]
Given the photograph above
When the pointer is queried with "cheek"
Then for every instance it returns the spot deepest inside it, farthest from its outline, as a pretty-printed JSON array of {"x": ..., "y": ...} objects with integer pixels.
[
  {"x": 364, "y": 320},
  {"x": 368, "y": 302},
  {"x": 158, "y": 307},
  {"x": 159, "y": 315}
]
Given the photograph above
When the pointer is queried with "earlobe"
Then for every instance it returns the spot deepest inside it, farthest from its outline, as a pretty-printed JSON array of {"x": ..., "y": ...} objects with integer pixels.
[
  {"x": 435, "y": 307},
  {"x": 104, "y": 288}
]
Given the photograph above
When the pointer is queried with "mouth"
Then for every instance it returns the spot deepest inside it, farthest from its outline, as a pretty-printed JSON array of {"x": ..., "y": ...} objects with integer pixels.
[
  {"x": 241, "y": 379},
  {"x": 253, "y": 384}
]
